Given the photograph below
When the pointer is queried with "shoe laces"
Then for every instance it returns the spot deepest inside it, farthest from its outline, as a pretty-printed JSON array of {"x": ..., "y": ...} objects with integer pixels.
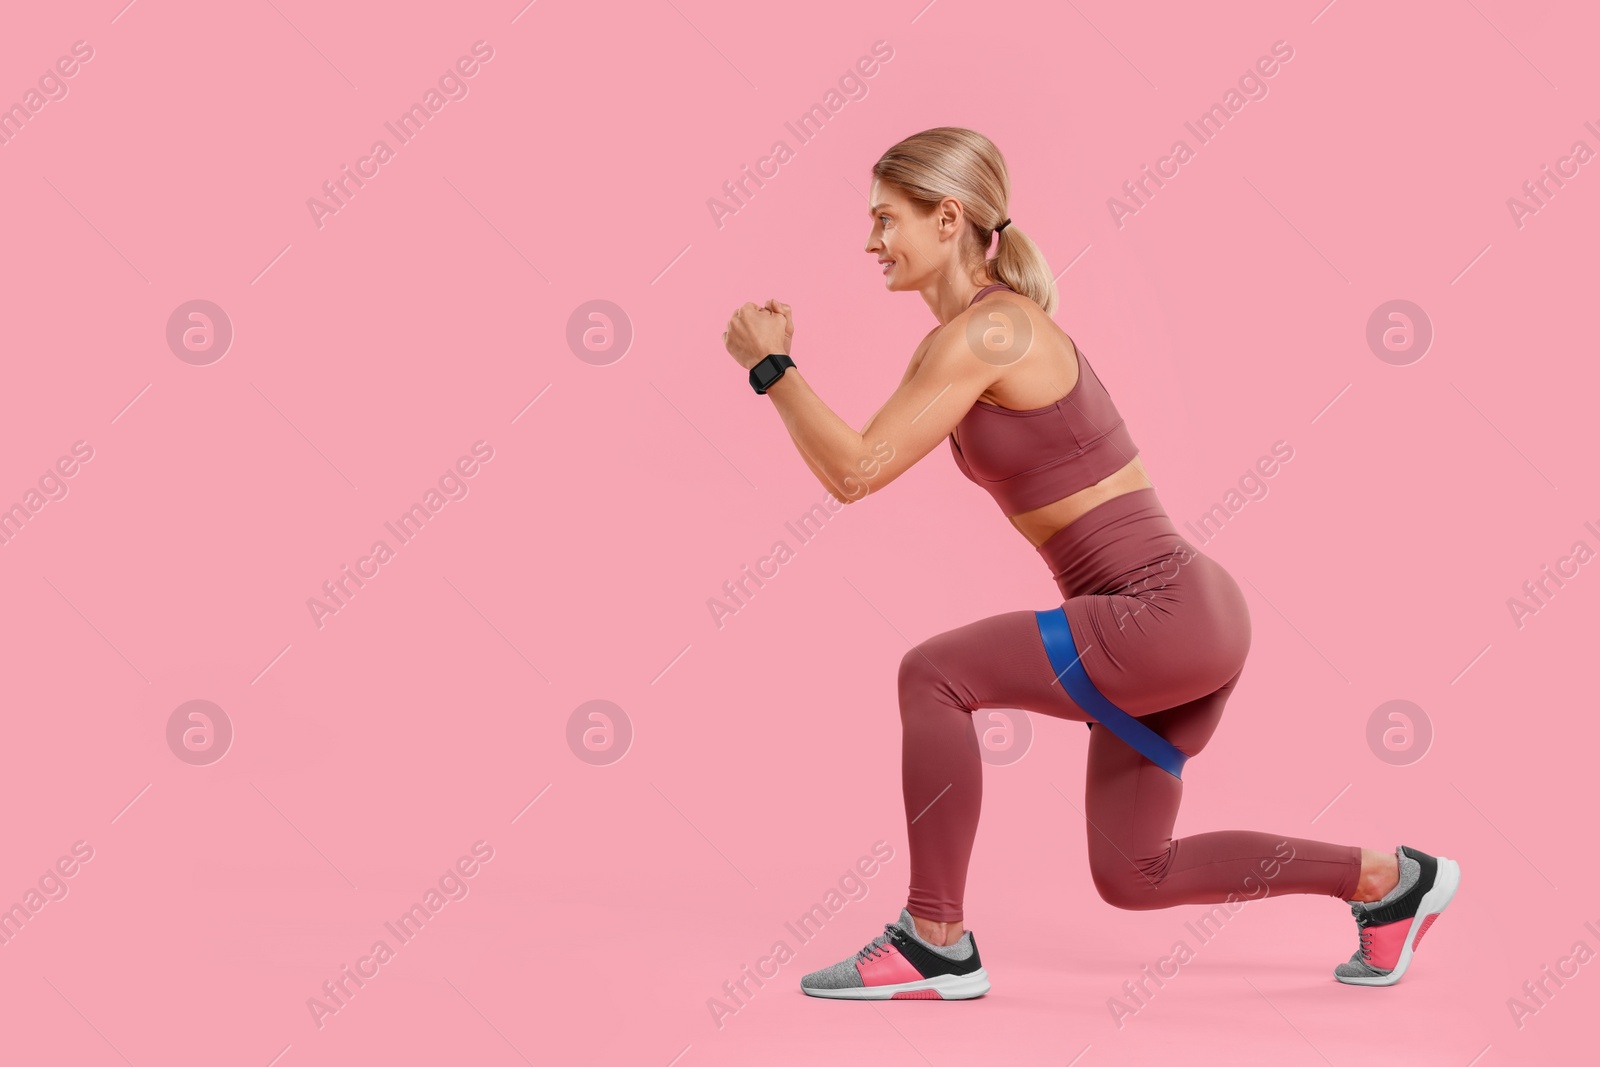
[
  {"x": 1364, "y": 925},
  {"x": 879, "y": 945}
]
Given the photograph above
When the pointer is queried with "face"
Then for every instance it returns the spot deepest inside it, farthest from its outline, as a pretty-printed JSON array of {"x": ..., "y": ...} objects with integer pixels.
[{"x": 901, "y": 238}]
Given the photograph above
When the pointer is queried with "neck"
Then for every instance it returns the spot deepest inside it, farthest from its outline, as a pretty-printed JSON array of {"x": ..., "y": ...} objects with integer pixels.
[{"x": 960, "y": 303}]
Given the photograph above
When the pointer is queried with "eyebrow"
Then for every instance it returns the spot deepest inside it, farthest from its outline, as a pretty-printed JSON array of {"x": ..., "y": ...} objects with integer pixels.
[{"x": 875, "y": 208}]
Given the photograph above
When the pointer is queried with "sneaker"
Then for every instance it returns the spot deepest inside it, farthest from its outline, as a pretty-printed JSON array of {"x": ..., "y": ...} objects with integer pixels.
[
  {"x": 1392, "y": 928},
  {"x": 899, "y": 965}
]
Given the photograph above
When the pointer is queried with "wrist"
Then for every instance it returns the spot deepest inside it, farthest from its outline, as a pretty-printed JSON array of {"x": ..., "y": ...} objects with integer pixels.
[
  {"x": 785, "y": 383},
  {"x": 769, "y": 370}
]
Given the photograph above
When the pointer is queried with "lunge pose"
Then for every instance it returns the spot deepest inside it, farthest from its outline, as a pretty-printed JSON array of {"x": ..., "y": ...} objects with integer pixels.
[{"x": 1150, "y": 638}]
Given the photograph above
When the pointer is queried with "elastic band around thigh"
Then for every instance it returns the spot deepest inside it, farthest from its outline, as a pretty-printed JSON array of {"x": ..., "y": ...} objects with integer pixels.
[{"x": 1056, "y": 633}]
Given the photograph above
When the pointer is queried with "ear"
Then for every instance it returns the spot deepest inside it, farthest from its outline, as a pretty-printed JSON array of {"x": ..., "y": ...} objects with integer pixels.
[{"x": 950, "y": 214}]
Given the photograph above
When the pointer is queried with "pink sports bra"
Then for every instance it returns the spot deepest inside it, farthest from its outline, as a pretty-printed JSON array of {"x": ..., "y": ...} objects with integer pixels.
[{"x": 1027, "y": 459}]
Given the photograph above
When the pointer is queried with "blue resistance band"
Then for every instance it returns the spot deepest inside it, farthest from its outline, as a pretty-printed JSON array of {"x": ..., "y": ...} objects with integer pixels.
[{"x": 1068, "y": 665}]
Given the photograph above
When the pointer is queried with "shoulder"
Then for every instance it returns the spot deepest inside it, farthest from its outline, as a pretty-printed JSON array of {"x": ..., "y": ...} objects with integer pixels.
[{"x": 988, "y": 337}]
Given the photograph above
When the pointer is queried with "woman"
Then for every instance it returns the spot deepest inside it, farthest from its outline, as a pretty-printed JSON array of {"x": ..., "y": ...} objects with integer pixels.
[{"x": 1151, "y": 637}]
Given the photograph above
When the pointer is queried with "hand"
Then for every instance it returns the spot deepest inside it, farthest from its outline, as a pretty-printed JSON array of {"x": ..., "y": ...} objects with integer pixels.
[
  {"x": 755, "y": 332},
  {"x": 788, "y": 323}
]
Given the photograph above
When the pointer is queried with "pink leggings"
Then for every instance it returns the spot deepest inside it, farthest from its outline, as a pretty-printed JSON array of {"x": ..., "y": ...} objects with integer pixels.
[{"x": 1163, "y": 632}]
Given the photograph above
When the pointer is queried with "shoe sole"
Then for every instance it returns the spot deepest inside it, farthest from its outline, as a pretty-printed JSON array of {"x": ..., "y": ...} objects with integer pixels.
[
  {"x": 939, "y": 987},
  {"x": 1445, "y": 884}
]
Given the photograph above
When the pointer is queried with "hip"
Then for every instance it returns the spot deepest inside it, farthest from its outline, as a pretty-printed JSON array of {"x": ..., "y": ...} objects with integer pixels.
[
  {"x": 1159, "y": 621},
  {"x": 1129, "y": 547}
]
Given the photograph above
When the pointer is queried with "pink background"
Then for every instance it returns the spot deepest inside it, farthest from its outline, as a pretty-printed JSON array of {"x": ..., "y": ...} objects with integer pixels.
[{"x": 371, "y": 353}]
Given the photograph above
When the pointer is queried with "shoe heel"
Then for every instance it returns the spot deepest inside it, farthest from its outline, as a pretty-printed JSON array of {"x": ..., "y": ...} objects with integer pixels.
[{"x": 1415, "y": 941}]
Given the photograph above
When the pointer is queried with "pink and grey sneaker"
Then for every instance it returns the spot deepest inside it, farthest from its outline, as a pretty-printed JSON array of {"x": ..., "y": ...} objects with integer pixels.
[
  {"x": 899, "y": 965},
  {"x": 1392, "y": 928}
]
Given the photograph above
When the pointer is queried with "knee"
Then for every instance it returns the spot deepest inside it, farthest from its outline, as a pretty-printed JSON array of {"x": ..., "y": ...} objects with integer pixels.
[
  {"x": 920, "y": 677},
  {"x": 916, "y": 673},
  {"x": 1122, "y": 885}
]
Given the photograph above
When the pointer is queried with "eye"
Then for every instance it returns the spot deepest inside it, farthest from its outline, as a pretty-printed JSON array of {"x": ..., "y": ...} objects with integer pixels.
[{"x": 885, "y": 219}]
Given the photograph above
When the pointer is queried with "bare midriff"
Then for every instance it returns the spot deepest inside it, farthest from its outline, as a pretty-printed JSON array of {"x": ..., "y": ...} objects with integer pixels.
[
  {"x": 1040, "y": 524},
  {"x": 1037, "y": 382}
]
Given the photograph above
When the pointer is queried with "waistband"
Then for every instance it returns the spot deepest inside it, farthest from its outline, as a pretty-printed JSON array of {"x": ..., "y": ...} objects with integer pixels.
[{"x": 1111, "y": 545}]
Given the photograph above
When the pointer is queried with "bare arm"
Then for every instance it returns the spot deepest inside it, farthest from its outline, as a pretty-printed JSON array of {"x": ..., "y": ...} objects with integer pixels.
[
  {"x": 827, "y": 483},
  {"x": 934, "y": 395},
  {"x": 835, "y": 489}
]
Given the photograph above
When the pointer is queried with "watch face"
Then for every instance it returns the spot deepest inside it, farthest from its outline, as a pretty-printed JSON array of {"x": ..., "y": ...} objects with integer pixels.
[{"x": 769, "y": 370}]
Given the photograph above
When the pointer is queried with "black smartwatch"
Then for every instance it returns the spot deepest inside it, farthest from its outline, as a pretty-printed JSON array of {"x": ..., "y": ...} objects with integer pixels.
[{"x": 769, "y": 370}]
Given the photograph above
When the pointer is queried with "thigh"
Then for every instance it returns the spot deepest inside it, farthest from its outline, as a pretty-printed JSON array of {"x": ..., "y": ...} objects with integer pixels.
[
  {"x": 997, "y": 662},
  {"x": 1129, "y": 802}
]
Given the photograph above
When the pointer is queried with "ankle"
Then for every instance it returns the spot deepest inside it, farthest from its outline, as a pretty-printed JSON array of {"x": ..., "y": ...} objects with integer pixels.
[
  {"x": 937, "y": 933},
  {"x": 1380, "y": 873}
]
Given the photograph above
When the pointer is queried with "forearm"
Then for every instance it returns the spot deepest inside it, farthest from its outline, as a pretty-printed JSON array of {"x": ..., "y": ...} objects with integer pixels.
[
  {"x": 822, "y": 476},
  {"x": 828, "y": 444}
]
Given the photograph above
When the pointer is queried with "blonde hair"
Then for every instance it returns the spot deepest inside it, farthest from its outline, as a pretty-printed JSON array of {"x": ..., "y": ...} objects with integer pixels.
[{"x": 964, "y": 164}]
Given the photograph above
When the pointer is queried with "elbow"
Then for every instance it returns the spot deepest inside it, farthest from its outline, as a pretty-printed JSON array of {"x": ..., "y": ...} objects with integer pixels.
[
  {"x": 867, "y": 473},
  {"x": 849, "y": 488}
]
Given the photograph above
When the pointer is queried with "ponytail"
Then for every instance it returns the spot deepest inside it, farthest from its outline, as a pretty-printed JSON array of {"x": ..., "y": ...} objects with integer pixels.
[{"x": 1018, "y": 262}]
